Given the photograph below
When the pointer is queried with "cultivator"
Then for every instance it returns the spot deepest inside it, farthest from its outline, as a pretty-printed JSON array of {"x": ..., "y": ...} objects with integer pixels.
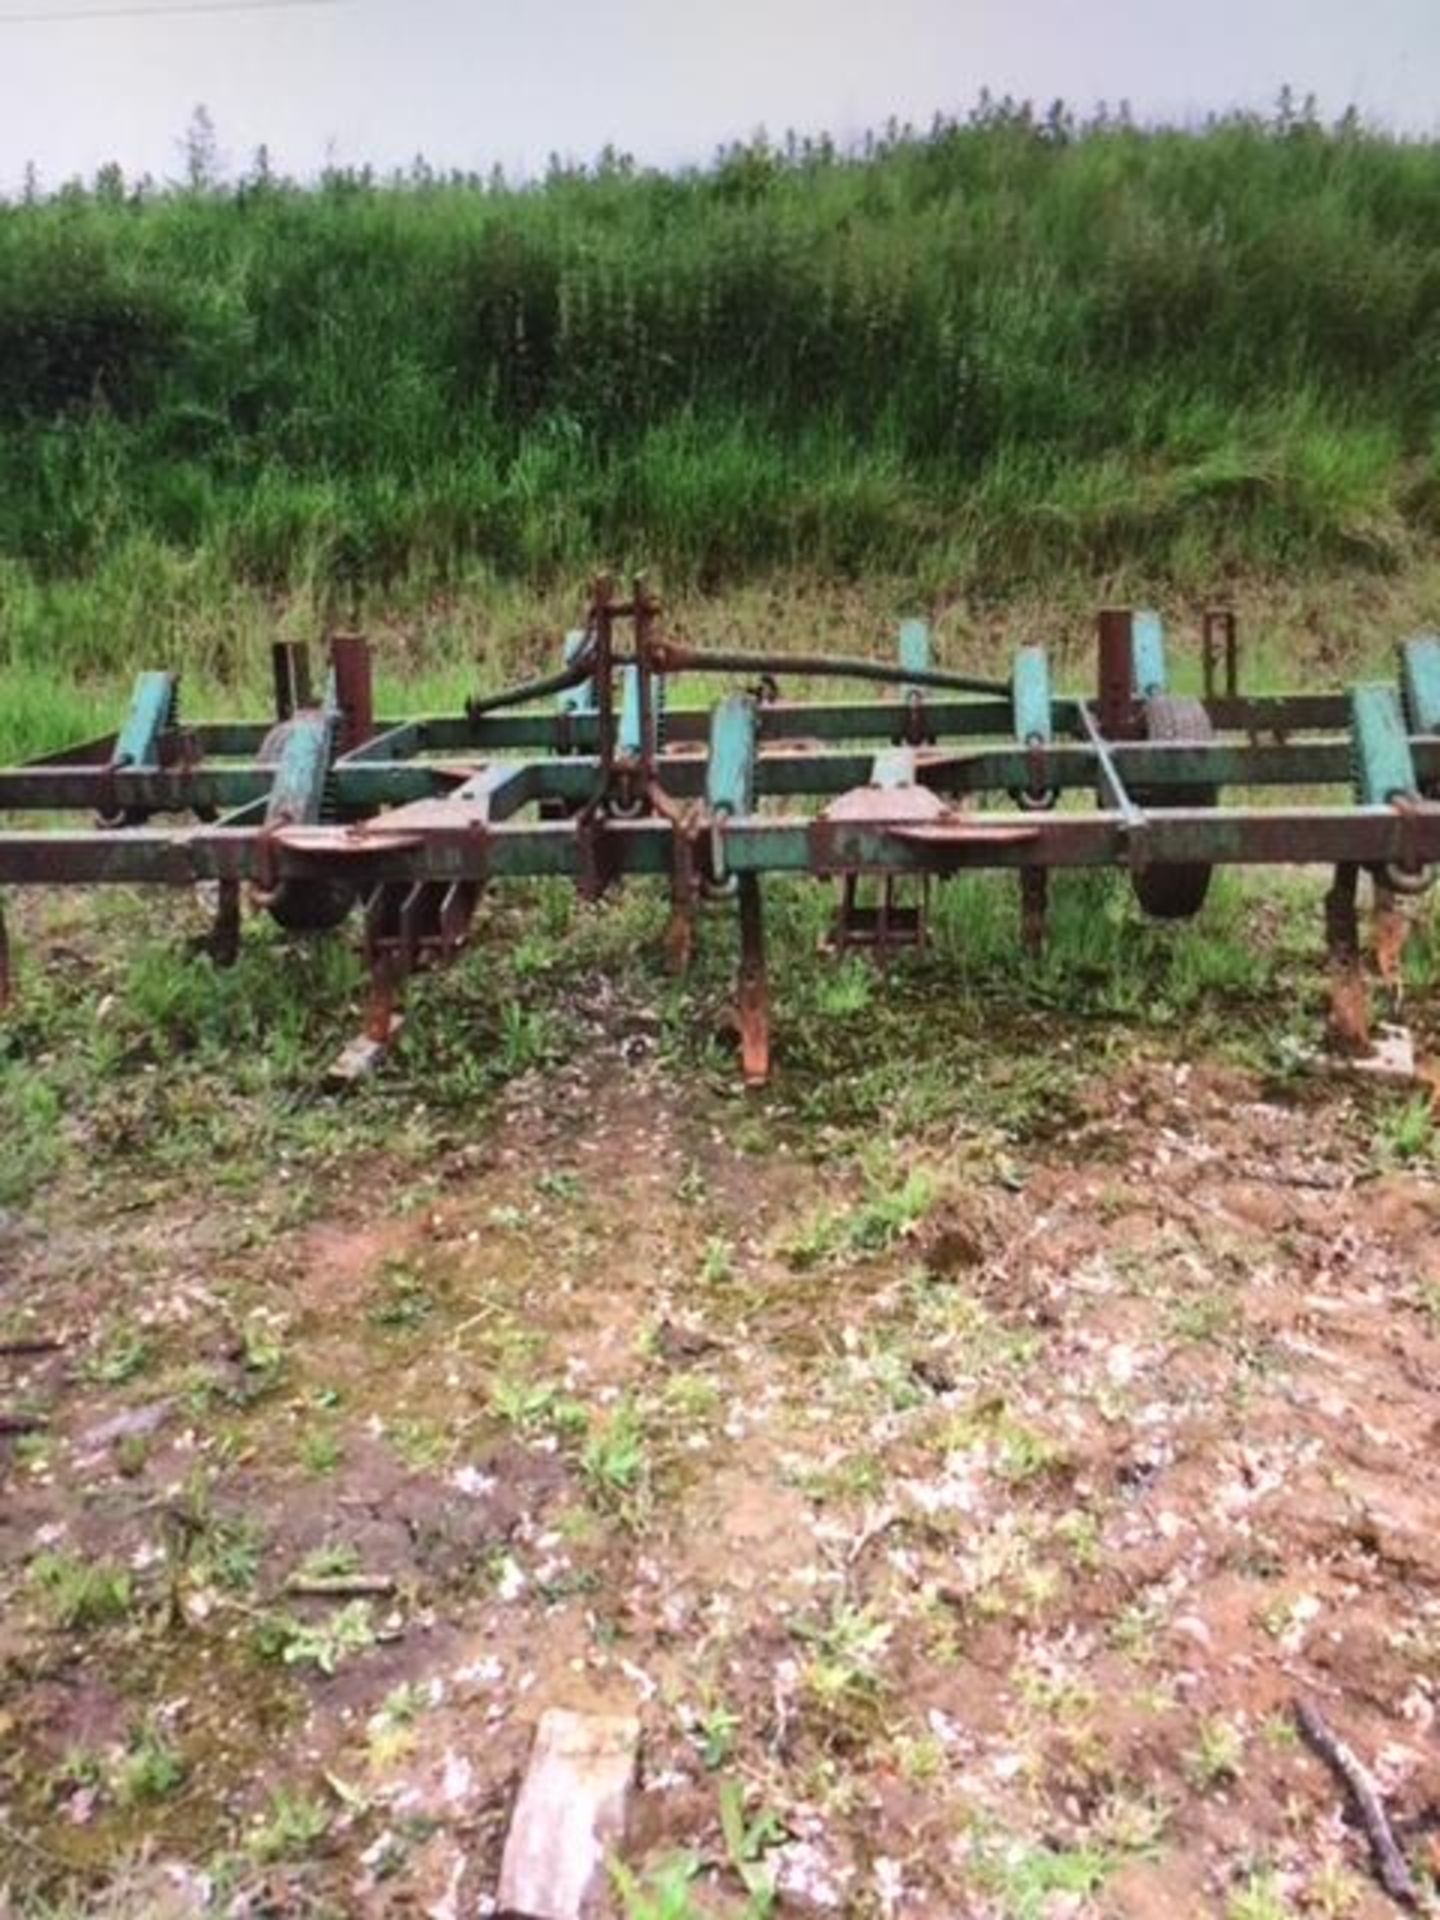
[{"x": 593, "y": 774}]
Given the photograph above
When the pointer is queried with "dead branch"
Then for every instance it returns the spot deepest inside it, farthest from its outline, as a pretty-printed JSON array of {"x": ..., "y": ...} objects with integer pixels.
[{"x": 1390, "y": 1864}]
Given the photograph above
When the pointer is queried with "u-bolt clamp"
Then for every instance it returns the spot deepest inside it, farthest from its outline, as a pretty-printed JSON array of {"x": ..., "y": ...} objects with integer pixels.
[
  {"x": 1408, "y": 878},
  {"x": 719, "y": 882},
  {"x": 263, "y": 887},
  {"x": 1036, "y": 798}
]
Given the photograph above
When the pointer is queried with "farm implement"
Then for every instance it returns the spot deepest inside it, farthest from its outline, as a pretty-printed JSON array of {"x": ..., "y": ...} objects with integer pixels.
[{"x": 593, "y": 773}]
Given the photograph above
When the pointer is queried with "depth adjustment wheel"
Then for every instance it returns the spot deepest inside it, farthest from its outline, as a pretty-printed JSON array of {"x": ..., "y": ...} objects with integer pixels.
[{"x": 1175, "y": 891}]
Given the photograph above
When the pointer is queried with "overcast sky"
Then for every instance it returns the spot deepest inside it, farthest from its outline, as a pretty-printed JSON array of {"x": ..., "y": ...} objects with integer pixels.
[{"x": 510, "y": 80}]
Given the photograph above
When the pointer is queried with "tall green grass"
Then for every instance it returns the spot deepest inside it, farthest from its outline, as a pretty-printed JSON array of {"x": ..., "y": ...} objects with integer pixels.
[{"x": 999, "y": 351}]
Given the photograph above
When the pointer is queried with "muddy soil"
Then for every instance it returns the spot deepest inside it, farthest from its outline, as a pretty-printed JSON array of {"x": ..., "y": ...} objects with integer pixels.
[{"x": 976, "y": 1536}]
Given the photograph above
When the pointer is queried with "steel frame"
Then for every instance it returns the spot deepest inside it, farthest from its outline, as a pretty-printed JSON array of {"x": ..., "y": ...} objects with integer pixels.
[{"x": 324, "y": 806}]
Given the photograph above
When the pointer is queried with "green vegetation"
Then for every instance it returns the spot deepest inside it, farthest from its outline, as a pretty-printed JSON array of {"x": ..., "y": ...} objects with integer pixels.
[
  {"x": 244, "y": 1052},
  {"x": 152, "y": 1769},
  {"x": 1217, "y": 1756},
  {"x": 81, "y": 1593},
  {"x": 1028, "y": 1880},
  {"x": 1004, "y": 349},
  {"x": 322, "y": 1644},
  {"x": 294, "y": 1826}
]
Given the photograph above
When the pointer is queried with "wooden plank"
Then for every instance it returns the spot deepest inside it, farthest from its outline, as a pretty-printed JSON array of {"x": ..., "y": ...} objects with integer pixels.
[{"x": 569, "y": 1815}]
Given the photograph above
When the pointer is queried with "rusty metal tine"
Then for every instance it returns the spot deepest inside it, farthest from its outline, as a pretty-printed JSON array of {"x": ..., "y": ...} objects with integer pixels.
[
  {"x": 408, "y": 932},
  {"x": 1207, "y": 651},
  {"x": 453, "y": 916},
  {"x": 1116, "y": 681},
  {"x": 1391, "y": 928},
  {"x": 1034, "y": 900},
  {"x": 753, "y": 1007},
  {"x": 1349, "y": 997},
  {"x": 354, "y": 689},
  {"x": 223, "y": 941},
  {"x": 290, "y": 667}
]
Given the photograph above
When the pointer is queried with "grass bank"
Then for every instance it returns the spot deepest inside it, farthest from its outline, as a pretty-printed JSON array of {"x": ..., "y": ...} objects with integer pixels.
[{"x": 1004, "y": 353}]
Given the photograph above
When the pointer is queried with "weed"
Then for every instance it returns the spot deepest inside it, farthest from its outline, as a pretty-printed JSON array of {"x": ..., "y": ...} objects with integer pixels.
[
  {"x": 664, "y": 1893},
  {"x": 334, "y": 1562},
  {"x": 845, "y": 989},
  {"x": 1207, "y": 1317},
  {"x": 152, "y": 1768},
  {"x": 1066, "y": 1700},
  {"x": 718, "y": 1266},
  {"x": 31, "y": 1141},
  {"x": 531, "y": 1406},
  {"x": 815, "y": 1239},
  {"x": 319, "y": 1450},
  {"x": 853, "y": 1476},
  {"x": 79, "y": 1767},
  {"x": 747, "y": 1840},
  {"x": 1132, "y": 1823},
  {"x": 690, "y": 1399},
  {"x": 921, "y": 1757},
  {"x": 1261, "y": 1898},
  {"x": 1035, "y": 1881},
  {"x": 423, "y": 1445},
  {"x": 81, "y": 1593},
  {"x": 616, "y": 1460},
  {"x": 717, "y": 1728},
  {"x": 390, "y": 1732},
  {"x": 1405, "y": 1132},
  {"x": 404, "y": 1704},
  {"x": 262, "y": 1354},
  {"x": 842, "y": 1677},
  {"x": 293, "y": 1827},
  {"x": 1280, "y": 1731},
  {"x": 322, "y": 1644},
  {"x": 33, "y": 1451},
  {"x": 1333, "y": 1892},
  {"x": 1017, "y": 1452},
  {"x": 567, "y": 1187},
  {"x": 124, "y": 1354},
  {"x": 1217, "y": 1757},
  {"x": 229, "y": 1552},
  {"x": 405, "y": 1302},
  {"x": 887, "y": 1213},
  {"x": 1135, "y": 1630},
  {"x": 528, "y": 1038},
  {"x": 1080, "y": 1532}
]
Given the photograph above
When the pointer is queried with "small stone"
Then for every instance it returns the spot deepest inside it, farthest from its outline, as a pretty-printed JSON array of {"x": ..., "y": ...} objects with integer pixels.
[
  {"x": 1194, "y": 1628},
  {"x": 1392, "y": 1057},
  {"x": 136, "y": 1423},
  {"x": 569, "y": 1815}
]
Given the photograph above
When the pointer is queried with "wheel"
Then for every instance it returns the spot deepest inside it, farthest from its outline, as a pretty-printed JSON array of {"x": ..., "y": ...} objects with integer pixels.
[
  {"x": 310, "y": 906},
  {"x": 1175, "y": 892}
]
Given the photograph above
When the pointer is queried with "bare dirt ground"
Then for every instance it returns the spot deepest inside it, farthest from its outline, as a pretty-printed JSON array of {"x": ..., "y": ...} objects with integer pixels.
[{"x": 965, "y": 1520}]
